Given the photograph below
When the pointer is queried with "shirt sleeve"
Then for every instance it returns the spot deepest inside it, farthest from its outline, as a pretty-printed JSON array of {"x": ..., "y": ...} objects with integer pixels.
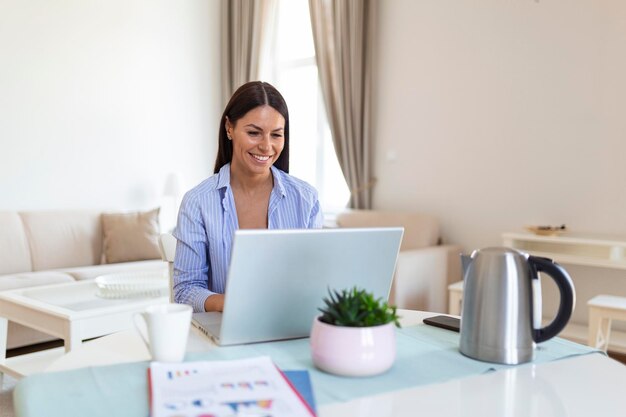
[
  {"x": 191, "y": 265},
  {"x": 316, "y": 220}
]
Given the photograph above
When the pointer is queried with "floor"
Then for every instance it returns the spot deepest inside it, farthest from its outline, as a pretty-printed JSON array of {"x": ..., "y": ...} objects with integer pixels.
[
  {"x": 621, "y": 357},
  {"x": 6, "y": 396},
  {"x": 8, "y": 383}
]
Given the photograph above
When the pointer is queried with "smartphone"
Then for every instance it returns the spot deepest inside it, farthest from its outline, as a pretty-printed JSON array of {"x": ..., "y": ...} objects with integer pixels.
[{"x": 445, "y": 322}]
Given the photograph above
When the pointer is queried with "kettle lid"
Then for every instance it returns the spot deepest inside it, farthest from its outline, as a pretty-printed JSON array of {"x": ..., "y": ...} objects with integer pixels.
[{"x": 498, "y": 251}]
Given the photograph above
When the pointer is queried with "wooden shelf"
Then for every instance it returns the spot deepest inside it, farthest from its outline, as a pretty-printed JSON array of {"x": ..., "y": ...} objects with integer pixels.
[{"x": 575, "y": 249}]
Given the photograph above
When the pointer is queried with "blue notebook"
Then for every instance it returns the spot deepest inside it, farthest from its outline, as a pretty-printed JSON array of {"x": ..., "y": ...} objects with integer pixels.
[{"x": 302, "y": 382}]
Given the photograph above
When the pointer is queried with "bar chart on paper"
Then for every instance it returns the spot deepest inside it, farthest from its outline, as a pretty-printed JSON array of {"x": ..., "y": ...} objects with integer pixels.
[{"x": 223, "y": 388}]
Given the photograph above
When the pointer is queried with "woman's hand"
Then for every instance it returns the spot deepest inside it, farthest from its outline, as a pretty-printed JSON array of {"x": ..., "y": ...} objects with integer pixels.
[{"x": 214, "y": 302}]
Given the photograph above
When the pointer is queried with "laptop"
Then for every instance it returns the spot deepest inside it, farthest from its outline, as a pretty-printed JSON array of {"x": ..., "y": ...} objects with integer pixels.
[{"x": 278, "y": 279}]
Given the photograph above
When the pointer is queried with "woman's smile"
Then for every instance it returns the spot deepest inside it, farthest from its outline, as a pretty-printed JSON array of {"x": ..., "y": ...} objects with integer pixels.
[
  {"x": 258, "y": 139},
  {"x": 261, "y": 158}
]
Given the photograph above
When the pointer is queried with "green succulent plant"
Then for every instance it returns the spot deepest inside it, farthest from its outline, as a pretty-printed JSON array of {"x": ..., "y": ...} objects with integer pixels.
[{"x": 357, "y": 308}]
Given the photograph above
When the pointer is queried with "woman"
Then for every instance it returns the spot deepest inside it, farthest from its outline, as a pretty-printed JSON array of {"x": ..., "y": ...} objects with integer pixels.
[{"x": 250, "y": 189}]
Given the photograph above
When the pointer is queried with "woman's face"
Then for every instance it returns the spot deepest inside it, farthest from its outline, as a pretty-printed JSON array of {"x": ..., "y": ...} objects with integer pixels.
[{"x": 258, "y": 139}]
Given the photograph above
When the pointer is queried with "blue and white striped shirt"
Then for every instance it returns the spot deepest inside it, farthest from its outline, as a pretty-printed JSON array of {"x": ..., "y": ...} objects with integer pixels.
[{"x": 207, "y": 221}]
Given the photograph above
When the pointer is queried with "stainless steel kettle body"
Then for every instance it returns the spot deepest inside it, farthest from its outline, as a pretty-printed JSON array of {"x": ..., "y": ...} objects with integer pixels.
[{"x": 497, "y": 316}]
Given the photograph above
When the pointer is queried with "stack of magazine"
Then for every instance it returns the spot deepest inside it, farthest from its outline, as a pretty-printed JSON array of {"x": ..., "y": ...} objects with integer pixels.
[{"x": 244, "y": 387}]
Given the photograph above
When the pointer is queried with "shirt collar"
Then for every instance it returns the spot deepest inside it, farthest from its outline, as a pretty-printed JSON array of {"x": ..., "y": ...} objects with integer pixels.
[
  {"x": 223, "y": 178},
  {"x": 278, "y": 180}
]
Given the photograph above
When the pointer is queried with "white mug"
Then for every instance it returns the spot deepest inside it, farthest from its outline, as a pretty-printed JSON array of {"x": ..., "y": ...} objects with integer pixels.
[{"x": 168, "y": 330}]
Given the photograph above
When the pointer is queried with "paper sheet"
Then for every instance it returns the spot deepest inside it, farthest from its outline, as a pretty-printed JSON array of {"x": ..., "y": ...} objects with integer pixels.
[{"x": 237, "y": 388}]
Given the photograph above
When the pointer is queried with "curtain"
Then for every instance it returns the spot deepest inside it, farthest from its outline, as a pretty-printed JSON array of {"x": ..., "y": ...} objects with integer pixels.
[
  {"x": 245, "y": 25},
  {"x": 342, "y": 33}
]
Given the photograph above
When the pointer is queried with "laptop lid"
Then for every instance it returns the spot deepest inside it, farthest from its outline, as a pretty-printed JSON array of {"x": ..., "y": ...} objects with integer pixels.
[{"x": 278, "y": 278}]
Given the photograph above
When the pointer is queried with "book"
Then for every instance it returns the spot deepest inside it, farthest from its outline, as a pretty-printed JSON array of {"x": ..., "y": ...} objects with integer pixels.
[
  {"x": 302, "y": 383},
  {"x": 244, "y": 387}
]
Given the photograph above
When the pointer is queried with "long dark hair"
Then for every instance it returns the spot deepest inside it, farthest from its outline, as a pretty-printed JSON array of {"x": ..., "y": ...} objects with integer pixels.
[{"x": 247, "y": 97}]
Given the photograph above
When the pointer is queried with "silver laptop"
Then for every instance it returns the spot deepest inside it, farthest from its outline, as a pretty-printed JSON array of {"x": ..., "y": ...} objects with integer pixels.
[{"x": 278, "y": 278}]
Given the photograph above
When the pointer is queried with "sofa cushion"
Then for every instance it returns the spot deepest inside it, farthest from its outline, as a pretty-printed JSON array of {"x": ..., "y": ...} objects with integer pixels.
[
  {"x": 90, "y": 272},
  {"x": 33, "y": 279},
  {"x": 420, "y": 230},
  {"x": 14, "y": 250},
  {"x": 63, "y": 238},
  {"x": 131, "y": 236}
]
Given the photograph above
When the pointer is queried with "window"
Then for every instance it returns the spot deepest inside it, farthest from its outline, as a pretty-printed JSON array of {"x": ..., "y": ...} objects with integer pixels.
[{"x": 291, "y": 67}]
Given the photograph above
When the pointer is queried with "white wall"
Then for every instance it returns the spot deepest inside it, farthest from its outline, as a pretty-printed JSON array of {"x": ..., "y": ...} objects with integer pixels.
[
  {"x": 502, "y": 114},
  {"x": 99, "y": 100},
  {"x": 497, "y": 114}
]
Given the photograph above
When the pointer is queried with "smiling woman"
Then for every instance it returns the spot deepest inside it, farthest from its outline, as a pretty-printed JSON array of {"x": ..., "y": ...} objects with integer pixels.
[
  {"x": 257, "y": 140},
  {"x": 246, "y": 103},
  {"x": 251, "y": 189}
]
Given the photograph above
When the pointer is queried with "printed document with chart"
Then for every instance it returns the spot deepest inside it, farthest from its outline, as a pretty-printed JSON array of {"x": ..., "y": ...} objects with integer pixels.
[{"x": 243, "y": 387}]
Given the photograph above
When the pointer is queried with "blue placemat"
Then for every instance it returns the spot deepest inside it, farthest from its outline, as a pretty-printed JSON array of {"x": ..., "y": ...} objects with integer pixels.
[{"x": 425, "y": 355}]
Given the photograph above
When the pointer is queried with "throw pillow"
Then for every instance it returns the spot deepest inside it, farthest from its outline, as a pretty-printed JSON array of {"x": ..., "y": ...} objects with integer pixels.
[{"x": 131, "y": 236}]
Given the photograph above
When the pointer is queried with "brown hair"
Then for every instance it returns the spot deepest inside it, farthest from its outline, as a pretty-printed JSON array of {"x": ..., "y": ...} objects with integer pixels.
[{"x": 247, "y": 97}]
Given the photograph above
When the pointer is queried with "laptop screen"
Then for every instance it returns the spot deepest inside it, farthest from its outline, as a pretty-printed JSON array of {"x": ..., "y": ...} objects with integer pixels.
[{"x": 278, "y": 278}]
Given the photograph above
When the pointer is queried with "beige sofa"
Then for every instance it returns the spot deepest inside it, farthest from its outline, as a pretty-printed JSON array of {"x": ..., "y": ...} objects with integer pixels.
[
  {"x": 425, "y": 266},
  {"x": 49, "y": 247}
]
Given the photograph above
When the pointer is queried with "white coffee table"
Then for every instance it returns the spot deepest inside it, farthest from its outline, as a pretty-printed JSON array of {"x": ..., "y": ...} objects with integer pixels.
[{"x": 72, "y": 311}]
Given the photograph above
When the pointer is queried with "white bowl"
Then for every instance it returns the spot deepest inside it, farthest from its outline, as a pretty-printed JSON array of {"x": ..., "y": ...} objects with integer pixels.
[{"x": 132, "y": 284}]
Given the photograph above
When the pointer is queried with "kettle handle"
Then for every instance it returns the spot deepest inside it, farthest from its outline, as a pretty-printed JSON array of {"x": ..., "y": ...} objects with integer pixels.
[{"x": 566, "y": 290}]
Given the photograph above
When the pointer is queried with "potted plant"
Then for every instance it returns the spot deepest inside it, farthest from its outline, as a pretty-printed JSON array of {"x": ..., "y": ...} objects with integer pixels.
[{"x": 355, "y": 335}]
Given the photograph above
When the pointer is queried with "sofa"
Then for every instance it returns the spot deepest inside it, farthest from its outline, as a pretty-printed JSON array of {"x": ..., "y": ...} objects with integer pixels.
[
  {"x": 50, "y": 247},
  {"x": 425, "y": 266}
]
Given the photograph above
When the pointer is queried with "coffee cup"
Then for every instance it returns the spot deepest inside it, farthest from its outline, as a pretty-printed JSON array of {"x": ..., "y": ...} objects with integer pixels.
[{"x": 168, "y": 330}]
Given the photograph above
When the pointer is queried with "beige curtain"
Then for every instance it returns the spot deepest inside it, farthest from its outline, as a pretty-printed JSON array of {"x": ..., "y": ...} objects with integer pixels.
[
  {"x": 342, "y": 32},
  {"x": 245, "y": 25}
]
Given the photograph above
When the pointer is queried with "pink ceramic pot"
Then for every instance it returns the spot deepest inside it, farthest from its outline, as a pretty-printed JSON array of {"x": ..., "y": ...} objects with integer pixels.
[{"x": 353, "y": 351}]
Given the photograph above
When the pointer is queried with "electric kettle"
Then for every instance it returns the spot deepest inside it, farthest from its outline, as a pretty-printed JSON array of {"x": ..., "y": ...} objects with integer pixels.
[{"x": 497, "y": 316}]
